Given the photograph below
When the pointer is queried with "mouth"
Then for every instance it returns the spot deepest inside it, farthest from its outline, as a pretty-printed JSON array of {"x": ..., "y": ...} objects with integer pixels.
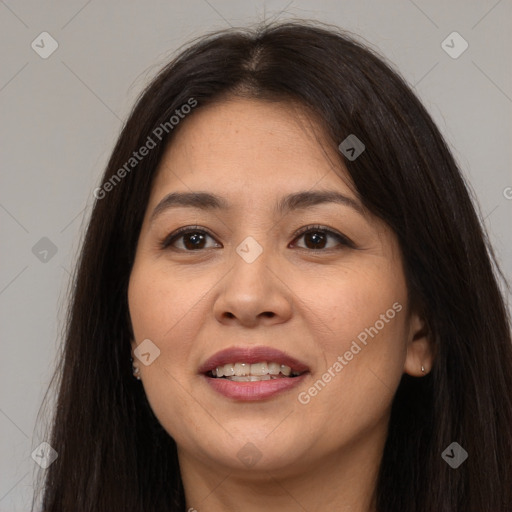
[
  {"x": 255, "y": 372},
  {"x": 252, "y": 373}
]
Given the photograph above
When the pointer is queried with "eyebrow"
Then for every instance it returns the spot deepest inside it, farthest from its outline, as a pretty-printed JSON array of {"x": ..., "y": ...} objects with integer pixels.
[{"x": 296, "y": 201}]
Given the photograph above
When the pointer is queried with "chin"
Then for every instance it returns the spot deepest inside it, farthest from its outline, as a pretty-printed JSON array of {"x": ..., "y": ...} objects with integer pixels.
[{"x": 253, "y": 449}]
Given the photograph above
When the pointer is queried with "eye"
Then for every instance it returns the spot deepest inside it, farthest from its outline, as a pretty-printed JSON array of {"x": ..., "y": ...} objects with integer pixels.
[
  {"x": 316, "y": 238},
  {"x": 192, "y": 239}
]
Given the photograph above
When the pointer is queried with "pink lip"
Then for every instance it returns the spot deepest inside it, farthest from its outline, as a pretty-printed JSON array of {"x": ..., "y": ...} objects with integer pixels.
[
  {"x": 251, "y": 355},
  {"x": 250, "y": 391}
]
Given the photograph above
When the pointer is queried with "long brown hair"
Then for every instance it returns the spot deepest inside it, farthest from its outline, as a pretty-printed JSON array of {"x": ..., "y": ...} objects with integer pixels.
[{"x": 113, "y": 453}]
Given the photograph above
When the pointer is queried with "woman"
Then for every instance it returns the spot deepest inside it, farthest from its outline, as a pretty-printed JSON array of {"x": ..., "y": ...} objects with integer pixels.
[{"x": 284, "y": 300}]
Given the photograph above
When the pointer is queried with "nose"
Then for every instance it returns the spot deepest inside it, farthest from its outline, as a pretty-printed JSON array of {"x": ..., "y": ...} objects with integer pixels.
[{"x": 253, "y": 293}]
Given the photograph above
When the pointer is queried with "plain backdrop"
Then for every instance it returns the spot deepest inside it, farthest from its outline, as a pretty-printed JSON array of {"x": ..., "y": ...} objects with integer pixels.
[{"x": 61, "y": 115}]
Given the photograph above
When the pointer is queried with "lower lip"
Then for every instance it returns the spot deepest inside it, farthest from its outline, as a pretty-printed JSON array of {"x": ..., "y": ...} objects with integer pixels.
[{"x": 259, "y": 390}]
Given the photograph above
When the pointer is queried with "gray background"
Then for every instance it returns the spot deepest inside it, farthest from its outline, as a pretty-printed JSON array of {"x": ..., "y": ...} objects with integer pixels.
[{"x": 61, "y": 115}]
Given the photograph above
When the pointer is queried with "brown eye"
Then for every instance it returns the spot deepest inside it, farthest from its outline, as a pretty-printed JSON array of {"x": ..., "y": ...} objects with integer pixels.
[
  {"x": 189, "y": 240},
  {"x": 317, "y": 238}
]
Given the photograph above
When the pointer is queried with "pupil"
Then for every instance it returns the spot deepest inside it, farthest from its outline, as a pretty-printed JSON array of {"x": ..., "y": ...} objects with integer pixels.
[
  {"x": 196, "y": 239},
  {"x": 317, "y": 239}
]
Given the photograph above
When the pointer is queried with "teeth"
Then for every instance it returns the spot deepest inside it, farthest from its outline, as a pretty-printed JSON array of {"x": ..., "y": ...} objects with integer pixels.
[
  {"x": 259, "y": 369},
  {"x": 245, "y": 372},
  {"x": 228, "y": 370},
  {"x": 250, "y": 378},
  {"x": 242, "y": 369},
  {"x": 286, "y": 370},
  {"x": 255, "y": 378},
  {"x": 274, "y": 368}
]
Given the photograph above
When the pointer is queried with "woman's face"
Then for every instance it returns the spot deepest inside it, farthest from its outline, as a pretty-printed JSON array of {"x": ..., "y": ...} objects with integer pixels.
[{"x": 245, "y": 277}]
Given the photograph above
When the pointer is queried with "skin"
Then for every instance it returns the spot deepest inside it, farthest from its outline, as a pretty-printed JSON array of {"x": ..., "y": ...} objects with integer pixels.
[{"x": 309, "y": 303}]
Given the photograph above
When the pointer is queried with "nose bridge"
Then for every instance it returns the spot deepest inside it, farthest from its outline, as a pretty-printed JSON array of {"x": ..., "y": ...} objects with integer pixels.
[
  {"x": 253, "y": 237},
  {"x": 251, "y": 273},
  {"x": 252, "y": 288}
]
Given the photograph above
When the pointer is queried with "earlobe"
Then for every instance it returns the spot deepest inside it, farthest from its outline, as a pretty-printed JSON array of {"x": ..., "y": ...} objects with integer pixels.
[
  {"x": 134, "y": 361},
  {"x": 419, "y": 358}
]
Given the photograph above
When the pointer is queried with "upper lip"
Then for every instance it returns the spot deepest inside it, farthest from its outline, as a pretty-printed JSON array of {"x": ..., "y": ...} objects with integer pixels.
[{"x": 251, "y": 354}]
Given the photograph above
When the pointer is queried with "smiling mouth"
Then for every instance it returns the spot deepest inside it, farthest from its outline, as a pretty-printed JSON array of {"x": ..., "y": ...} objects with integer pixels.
[{"x": 247, "y": 372}]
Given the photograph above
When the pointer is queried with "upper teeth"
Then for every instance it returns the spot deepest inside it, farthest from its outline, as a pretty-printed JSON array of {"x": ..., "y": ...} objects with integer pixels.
[{"x": 255, "y": 369}]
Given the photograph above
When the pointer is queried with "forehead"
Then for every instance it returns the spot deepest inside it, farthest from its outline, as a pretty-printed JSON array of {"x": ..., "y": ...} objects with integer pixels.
[{"x": 249, "y": 148}]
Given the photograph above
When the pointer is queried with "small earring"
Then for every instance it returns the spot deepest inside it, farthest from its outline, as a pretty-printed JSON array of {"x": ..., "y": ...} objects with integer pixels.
[
  {"x": 135, "y": 370},
  {"x": 422, "y": 369}
]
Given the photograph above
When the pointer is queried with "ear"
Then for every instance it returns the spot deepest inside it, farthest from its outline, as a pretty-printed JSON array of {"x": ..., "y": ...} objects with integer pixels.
[
  {"x": 419, "y": 348},
  {"x": 133, "y": 346},
  {"x": 135, "y": 362}
]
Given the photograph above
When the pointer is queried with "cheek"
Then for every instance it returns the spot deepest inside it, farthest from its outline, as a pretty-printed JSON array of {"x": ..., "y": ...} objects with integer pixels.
[
  {"x": 358, "y": 322},
  {"x": 162, "y": 309},
  {"x": 358, "y": 306},
  {"x": 361, "y": 336},
  {"x": 161, "y": 305}
]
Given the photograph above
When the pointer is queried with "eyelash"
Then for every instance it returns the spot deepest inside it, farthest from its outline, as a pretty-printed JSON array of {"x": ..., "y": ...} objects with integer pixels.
[{"x": 170, "y": 239}]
